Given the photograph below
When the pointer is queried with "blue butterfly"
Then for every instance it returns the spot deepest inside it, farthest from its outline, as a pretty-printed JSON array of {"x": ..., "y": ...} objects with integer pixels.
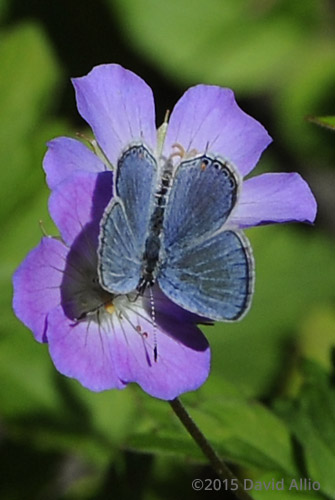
[{"x": 166, "y": 224}]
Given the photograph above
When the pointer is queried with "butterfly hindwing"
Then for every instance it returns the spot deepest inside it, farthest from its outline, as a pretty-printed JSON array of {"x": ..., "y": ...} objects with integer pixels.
[
  {"x": 119, "y": 266},
  {"x": 213, "y": 278}
]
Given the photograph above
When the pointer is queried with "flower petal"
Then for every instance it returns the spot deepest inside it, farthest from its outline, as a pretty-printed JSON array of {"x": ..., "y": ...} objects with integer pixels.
[
  {"x": 83, "y": 351},
  {"x": 78, "y": 200},
  {"x": 208, "y": 118},
  {"x": 116, "y": 353},
  {"x": 271, "y": 198},
  {"x": 37, "y": 285},
  {"x": 119, "y": 106},
  {"x": 183, "y": 355},
  {"x": 65, "y": 156}
]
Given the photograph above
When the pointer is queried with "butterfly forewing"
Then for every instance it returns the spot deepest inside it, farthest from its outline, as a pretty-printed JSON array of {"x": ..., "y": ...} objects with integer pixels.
[
  {"x": 135, "y": 183},
  {"x": 123, "y": 229},
  {"x": 203, "y": 193}
]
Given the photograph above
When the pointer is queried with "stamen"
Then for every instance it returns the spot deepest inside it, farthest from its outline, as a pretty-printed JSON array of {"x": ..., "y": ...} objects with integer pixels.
[
  {"x": 138, "y": 328},
  {"x": 192, "y": 152},
  {"x": 44, "y": 232},
  {"x": 109, "y": 307},
  {"x": 181, "y": 151},
  {"x": 96, "y": 149}
]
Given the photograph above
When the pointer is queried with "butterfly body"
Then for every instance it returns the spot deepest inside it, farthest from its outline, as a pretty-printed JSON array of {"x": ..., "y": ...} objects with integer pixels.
[{"x": 153, "y": 240}]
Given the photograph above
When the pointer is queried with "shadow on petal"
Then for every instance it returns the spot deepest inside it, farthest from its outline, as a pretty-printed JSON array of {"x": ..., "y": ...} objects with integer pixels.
[
  {"x": 81, "y": 293},
  {"x": 103, "y": 193},
  {"x": 176, "y": 322},
  {"x": 185, "y": 333}
]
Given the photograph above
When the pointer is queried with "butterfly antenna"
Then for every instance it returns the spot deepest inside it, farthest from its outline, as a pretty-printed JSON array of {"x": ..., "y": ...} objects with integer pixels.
[{"x": 153, "y": 320}]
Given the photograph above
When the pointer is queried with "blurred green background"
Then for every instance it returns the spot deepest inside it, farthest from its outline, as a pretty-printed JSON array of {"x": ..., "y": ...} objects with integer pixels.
[{"x": 269, "y": 404}]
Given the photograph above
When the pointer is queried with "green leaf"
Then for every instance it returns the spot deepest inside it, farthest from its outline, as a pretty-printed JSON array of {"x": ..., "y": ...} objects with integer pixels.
[
  {"x": 320, "y": 319},
  {"x": 311, "y": 418},
  {"x": 242, "y": 432},
  {"x": 29, "y": 75},
  {"x": 112, "y": 413},
  {"x": 247, "y": 433},
  {"x": 26, "y": 371},
  {"x": 323, "y": 121}
]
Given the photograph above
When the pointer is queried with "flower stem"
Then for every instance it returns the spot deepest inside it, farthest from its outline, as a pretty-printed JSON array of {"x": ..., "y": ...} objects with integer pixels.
[{"x": 224, "y": 473}]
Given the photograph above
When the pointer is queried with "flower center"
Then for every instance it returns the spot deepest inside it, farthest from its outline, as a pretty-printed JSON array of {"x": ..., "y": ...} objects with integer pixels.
[{"x": 110, "y": 307}]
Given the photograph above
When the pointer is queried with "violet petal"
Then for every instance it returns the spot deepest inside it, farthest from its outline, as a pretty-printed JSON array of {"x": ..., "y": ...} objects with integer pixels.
[
  {"x": 65, "y": 156},
  {"x": 207, "y": 118},
  {"x": 121, "y": 351},
  {"x": 183, "y": 358},
  {"x": 272, "y": 198},
  {"x": 83, "y": 351},
  {"x": 37, "y": 285},
  {"x": 119, "y": 106},
  {"x": 79, "y": 200}
]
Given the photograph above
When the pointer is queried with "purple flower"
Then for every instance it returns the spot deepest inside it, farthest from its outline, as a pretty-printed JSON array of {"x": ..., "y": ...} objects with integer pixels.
[{"x": 105, "y": 341}]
